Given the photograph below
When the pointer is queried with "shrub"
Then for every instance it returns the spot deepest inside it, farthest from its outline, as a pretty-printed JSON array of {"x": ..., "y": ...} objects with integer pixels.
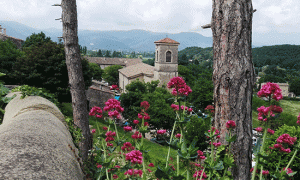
[
  {"x": 196, "y": 127},
  {"x": 274, "y": 154}
]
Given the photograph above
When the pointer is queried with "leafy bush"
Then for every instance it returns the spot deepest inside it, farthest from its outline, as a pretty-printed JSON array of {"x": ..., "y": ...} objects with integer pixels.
[
  {"x": 3, "y": 100},
  {"x": 44, "y": 65},
  {"x": 111, "y": 74},
  {"x": 33, "y": 91},
  {"x": 275, "y": 153},
  {"x": 97, "y": 71},
  {"x": 196, "y": 127}
]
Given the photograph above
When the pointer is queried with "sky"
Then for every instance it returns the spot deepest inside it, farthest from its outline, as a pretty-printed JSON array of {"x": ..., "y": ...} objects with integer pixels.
[{"x": 274, "y": 22}]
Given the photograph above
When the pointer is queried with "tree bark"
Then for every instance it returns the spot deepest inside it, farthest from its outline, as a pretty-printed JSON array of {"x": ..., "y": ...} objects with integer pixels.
[
  {"x": 76, "y": 81},
  {"x": 233, "y": 77}
]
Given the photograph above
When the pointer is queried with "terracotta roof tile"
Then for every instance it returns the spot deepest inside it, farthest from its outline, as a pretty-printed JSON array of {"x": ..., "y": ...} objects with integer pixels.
[
  {"x": 113, "y": 61},
  {"x": 134, "y": 70},
  {"x": 167, "y": 40}
]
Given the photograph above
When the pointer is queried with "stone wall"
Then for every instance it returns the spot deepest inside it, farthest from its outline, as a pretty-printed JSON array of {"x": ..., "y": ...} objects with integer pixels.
[
  {"x": 35, "y": 142},
  {"x": 16, "y": 41},
  {"x": 97, "y": 96}
]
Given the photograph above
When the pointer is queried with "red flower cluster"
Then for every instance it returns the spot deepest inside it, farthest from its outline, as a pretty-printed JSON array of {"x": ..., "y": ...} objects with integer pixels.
[
  {"x": 288, "y": 170},
  {"x": 143, "y": 115},
  {"x": 135, "y": 121},
  {"x": 163, "y": 131},
  {"x": 114, "y": 87},
  {"x": 198, "y": 174},
  {"x": 95, "y": 110},
  {"x": 134, "y": 172},
  {"x": 178, "y": 135},
  {"x": 114, "y": 108},
  {"x": 151, "y": 165},
  {"x": 175, "y": 107},
  {"x": 259, "y": 129},
  {"x": 210, "y": 108},
  {"x": 230, "y": 124},
  {"x": 217, "y": 144},
  {"x": 145, "y": 105},
  {"x": 298, "y": 119},
  {"x": 127, "y": 146},
  {"x": 93, "y": 131},
  {"x": 284, "y": 139},
  {"x": 127, "y": 128},
  {"x": 109, "y": 136},
  {"x": 200, "y": 155},
  {"x": 179, "y": 87},
  {"x": 270, "y": 131},
  {"x": 265, "y": 172},
  {"x": 135, "y": 156},
  {"x": 136, "y": 135},
  {"x": 270, "y": 88}
]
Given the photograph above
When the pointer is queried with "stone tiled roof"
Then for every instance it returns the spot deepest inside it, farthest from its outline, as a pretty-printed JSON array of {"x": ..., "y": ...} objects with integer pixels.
[
  {"x": 138, "y": 69},
  {"x": 167, "y": 40},
  {"x": 113, "y": 61}
]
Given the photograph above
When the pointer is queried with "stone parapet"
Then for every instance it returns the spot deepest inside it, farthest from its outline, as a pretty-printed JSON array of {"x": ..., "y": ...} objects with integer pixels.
[{"x": 35, "y": 142}]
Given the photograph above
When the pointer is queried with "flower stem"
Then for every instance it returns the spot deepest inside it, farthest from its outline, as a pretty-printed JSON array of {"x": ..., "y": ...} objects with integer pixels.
[{"x": 170, "y": 143}]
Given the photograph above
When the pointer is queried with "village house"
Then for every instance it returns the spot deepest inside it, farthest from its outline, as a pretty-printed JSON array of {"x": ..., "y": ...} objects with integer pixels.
[
  {"x": 4, "y": 36},
  {"x": 104, "y": 62},
  {"x": 165, "y": 65}
]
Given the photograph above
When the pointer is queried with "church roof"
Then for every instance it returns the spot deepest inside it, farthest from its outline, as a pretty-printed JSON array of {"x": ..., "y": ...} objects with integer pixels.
[
  {"x": 167, "y": 40},
  {"x": 138, "y": 69},
  {"x": 113, "y": 61}
]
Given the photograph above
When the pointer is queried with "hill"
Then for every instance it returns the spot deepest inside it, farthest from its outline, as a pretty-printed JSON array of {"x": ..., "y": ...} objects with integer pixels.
[{"x": 133, "y": 40}]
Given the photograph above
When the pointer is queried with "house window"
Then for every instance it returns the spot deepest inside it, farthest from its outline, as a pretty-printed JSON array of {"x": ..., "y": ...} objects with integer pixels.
[{"x": 168, "y": 56}]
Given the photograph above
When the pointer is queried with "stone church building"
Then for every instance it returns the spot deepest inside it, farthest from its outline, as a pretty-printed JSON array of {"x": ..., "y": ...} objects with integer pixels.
[{"x": 165, "y": 65}]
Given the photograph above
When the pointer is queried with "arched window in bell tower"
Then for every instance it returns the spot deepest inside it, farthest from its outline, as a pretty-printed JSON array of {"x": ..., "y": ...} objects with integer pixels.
[{"x": 168, "y": 56}]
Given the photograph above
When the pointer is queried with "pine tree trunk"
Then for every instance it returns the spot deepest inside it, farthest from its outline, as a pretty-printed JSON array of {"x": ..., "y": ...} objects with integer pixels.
[
  {"x": 233, "y": 77},
  {"x": 76, "y": 81}
]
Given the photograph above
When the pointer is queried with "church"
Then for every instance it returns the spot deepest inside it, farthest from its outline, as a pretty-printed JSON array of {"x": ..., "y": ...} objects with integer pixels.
[{"x": 165, "y": 66}]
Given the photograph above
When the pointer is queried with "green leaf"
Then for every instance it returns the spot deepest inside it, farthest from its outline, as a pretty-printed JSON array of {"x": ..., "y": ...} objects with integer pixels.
[
  {"x": 161, "y": 174},
  {"x": 292, "y": 174},
  {"x": 219, "y": 166}
]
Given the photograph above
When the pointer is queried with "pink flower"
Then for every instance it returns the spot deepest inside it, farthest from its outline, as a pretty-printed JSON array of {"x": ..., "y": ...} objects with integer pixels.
[
  {"x": 104, "y": 128},
  {"x": 136, "y": 135},
  {"x": 259, "y": 129},
  {"x": 230, "y": 124},
  {"x": 135, "y": 156},
  {"x": 135, "y": 121},
  {"x": 270, "y": 131},
  {"x": 134, "y": 172},
  {"x": 198, "y": 174},
  {"x": 276, "y": 109},
  {"x": 96, "y": 111},
  {"x": 127, "y": 128},
  {"x": 298, "y": 118},
  {"x": 210, "y": 108},
  {"x": 117, "y": 166},
  {"x": 145, "y": 105},
  {"x": 161, "y": 131},
  {"x": 288, "y": 171},
  {"x": 217, "y": 144},
  {"x": 178, "y": 135},
  {"x": 113, "y": 87},
  {"x": 218, "y": 137},
  {"x": 115, "y": 176},
  {"x": 190, "y": 110},
  {"x": 176, "y": 82},
  {"x": 144, "y": 115},
  {"x": 298, "y": 122},
  {"x": 127, "y": 146},
  {"x": 151, "y": 165},
  {"x": 184, "y": 107},
  {"x": 93, "y": 131},
  {"x": 184, "y": 91},
  {"x": 99, "y": 166},
  {"x": 265, "y": 172},
  {"x": 110, "y": 135},
  {"x": 175, "y": 107},
  {"x": 270, "y": 88},
  {"x": 110, "y": 144},
  {"x": 146, "y": 124}
]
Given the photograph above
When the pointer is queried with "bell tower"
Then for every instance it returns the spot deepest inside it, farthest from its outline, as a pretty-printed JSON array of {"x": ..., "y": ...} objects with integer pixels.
[{"x": 166, "y": 60}]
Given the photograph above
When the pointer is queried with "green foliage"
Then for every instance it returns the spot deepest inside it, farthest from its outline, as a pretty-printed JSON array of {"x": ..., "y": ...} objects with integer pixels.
[
  {"x": 97, "y": 71},
  {"x": 149, "y": 61},
  {"x": 111, "y": 74},
  {"x": 75, "y": 131},
  {"x": 195, "y": 53},
  {"x": 162, "y": 115},
  {"x": 36, "y": 40},
  {"x": 285, "y": 56},
  {"x": 199, "y": 78},
  {"x": 8, "y": 56},
  {"x": 33, "y": 91},
  {"x": 274, "y": 154},
  {"x": 196, "y": 127},
  {"x": 3, "y": 100},
  {"x": 44, "y": 66}
]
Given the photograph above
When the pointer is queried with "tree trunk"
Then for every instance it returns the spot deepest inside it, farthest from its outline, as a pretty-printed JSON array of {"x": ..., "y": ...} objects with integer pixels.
[
  {"x": 76, "y": 81},
  {"x": 233, "y": 77}
]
